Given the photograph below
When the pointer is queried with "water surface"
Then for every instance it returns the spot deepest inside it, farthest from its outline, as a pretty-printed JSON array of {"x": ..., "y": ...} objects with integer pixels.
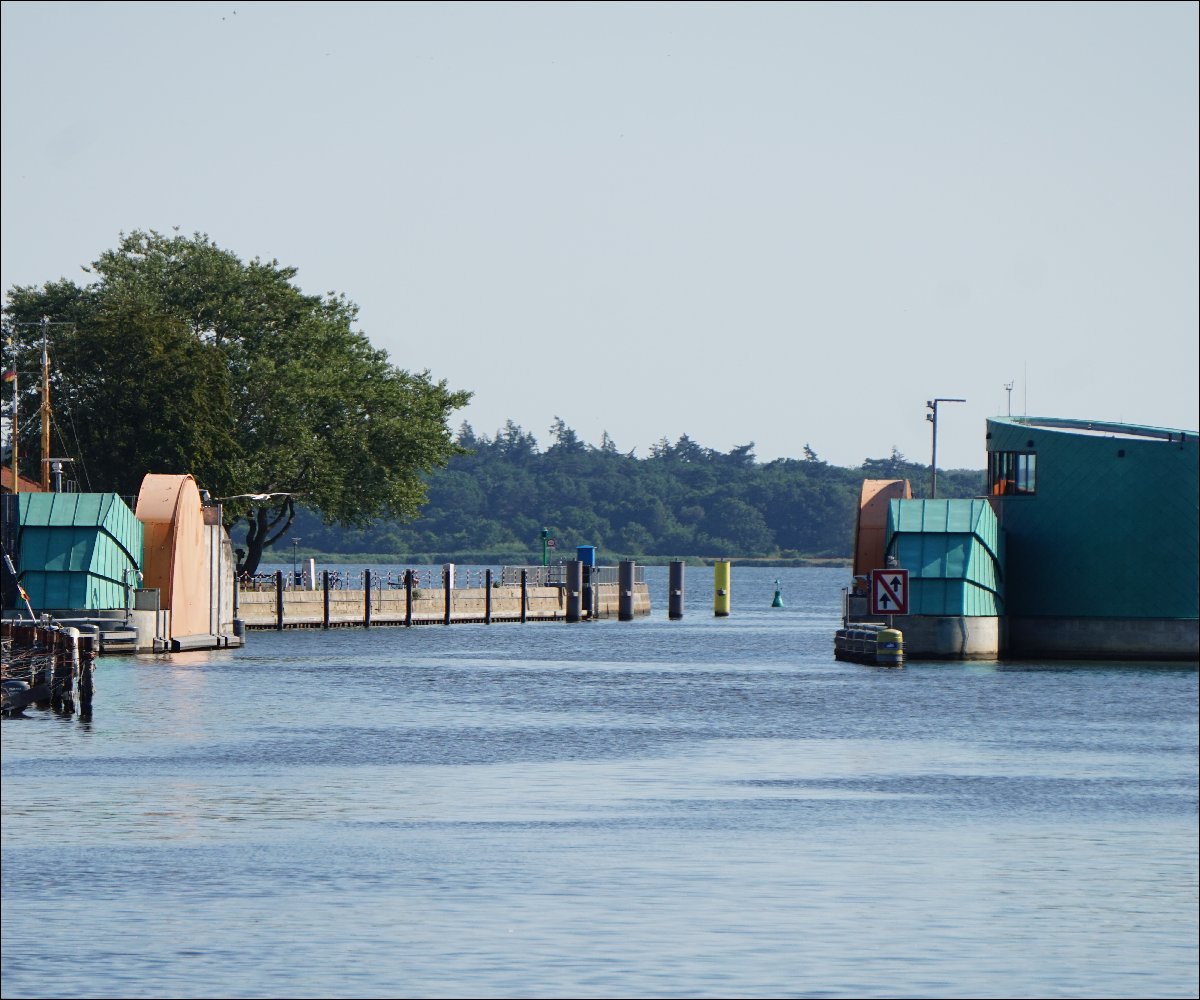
[{"x": 710, "y": 807}]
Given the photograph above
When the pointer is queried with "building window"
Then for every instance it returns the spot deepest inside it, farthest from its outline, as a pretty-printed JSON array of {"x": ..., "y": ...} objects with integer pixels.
[{"x": 1012, "y": 473}]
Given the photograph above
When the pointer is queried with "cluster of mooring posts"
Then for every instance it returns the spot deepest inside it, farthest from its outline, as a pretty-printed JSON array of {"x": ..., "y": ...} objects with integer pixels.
[{"x": 47, "y": 666}]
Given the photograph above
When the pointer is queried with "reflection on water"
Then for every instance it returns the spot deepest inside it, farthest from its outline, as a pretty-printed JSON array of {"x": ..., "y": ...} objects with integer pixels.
[{"x": 712, "y": 807}]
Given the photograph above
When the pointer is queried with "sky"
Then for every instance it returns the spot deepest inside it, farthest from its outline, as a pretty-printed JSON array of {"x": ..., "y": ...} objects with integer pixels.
[{"x": 786, "y": 224}]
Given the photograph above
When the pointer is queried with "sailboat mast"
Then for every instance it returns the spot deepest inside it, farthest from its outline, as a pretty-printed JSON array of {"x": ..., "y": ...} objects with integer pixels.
[
  {"x": 45, "y": 407},
  {"x": 16, "y": 425}
]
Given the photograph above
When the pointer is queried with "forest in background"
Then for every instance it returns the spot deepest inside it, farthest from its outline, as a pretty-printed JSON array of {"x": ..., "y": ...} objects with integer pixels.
[{"x": 682, "y": 501}]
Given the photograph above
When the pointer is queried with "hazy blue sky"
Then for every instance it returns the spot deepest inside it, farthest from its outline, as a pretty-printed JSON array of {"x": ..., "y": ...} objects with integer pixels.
[{"x": 778, "y": 223}]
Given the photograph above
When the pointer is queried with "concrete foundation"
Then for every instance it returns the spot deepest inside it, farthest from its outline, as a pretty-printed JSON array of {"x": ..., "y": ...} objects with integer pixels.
[{"x": 927, "y": 637}]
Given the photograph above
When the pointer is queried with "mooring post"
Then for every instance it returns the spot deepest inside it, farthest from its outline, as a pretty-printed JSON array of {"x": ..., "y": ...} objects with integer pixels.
[
  {"x": 625, "y": 576},
  {"x": 675, "y": 591},
  {"x": 721, "y": 589},
  {"x": 279, "y": 600},
  {"x": 487, "y": 598},
  {"x": 366, "y": 598},
  {"x": 325, "y": 589},
  {"x": 524, "y": 594},
  {"x": 408, "y": 597},
  {"x": 447, "y": 591},
  {"x": 574, "y": 590},
  {"x": 60, "y": 672},
  {"x": 589, "y": 592},
  {"x": 71, "y": 654},
  {"x": 87, "y": 666},
  {"x": 43, "y": 662}
]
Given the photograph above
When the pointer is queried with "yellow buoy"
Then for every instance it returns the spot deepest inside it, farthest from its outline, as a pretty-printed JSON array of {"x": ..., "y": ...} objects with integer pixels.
[{"x": 889, "y": 647}]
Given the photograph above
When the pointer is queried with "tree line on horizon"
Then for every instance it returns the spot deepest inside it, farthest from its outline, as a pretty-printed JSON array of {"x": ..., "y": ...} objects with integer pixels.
[{"x": 491, "y": 503}]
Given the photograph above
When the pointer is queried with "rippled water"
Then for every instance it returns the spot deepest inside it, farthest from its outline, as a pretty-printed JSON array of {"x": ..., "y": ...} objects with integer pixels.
[{"x": 710, "y": 807}]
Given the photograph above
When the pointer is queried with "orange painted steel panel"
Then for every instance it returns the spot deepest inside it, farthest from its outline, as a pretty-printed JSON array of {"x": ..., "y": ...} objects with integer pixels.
[
  {"x": 176, "y": 556},
  {"x": 870, "y": 534}
]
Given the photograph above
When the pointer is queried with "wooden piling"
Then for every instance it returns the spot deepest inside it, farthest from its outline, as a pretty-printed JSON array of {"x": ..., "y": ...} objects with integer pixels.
[
  {"x": 366, "y": 598},
  {"x": 87, "y": 669},
  {"x": 62, "y": 679},
  {"x": 325, "y": 589},
  {"x": 524, "y": 595},
  {"x": 487, "y": 598},
  {"x": 447, "y": 593}
]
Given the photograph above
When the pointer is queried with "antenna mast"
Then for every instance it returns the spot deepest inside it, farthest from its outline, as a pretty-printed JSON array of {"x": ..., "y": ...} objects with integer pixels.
[{"x": 16, "y": 424}]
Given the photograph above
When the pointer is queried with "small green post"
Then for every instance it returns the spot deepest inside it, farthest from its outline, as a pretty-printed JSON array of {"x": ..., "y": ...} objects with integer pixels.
[{"x": 545, "y": 551}]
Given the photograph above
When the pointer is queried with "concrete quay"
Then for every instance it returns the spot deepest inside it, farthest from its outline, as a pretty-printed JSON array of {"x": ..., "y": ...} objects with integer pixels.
[{"x": 269, "y": 609}]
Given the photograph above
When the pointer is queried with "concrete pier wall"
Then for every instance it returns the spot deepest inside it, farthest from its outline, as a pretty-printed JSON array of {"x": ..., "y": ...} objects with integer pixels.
[{"x": 306, "y": 608}]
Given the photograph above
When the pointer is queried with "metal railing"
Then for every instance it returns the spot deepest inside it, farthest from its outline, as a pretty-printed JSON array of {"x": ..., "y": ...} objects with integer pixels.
[
  {"x": 433, "y": 577},
  {"x": 556, "y": 575},
  {"x": 424, "y": 578}
]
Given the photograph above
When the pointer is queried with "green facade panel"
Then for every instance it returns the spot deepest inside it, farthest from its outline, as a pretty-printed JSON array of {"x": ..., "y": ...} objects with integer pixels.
[
  {"x": 1112, "y": 529},
  {"x": 77, "y": 550},
  {"x": 951, "y": 549}
]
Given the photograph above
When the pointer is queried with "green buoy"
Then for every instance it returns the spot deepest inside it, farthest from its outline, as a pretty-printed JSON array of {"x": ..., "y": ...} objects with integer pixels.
[{"x": 777, "y": 602}]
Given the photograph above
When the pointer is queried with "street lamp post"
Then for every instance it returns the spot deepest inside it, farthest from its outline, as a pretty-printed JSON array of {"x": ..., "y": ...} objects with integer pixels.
[
  {"x": 295, "y": 562},
  {"x": 932, "y": 404}
]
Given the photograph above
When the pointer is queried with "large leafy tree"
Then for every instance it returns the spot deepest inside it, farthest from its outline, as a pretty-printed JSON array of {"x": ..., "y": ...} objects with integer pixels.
[{"x": 180, "y": 357}]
